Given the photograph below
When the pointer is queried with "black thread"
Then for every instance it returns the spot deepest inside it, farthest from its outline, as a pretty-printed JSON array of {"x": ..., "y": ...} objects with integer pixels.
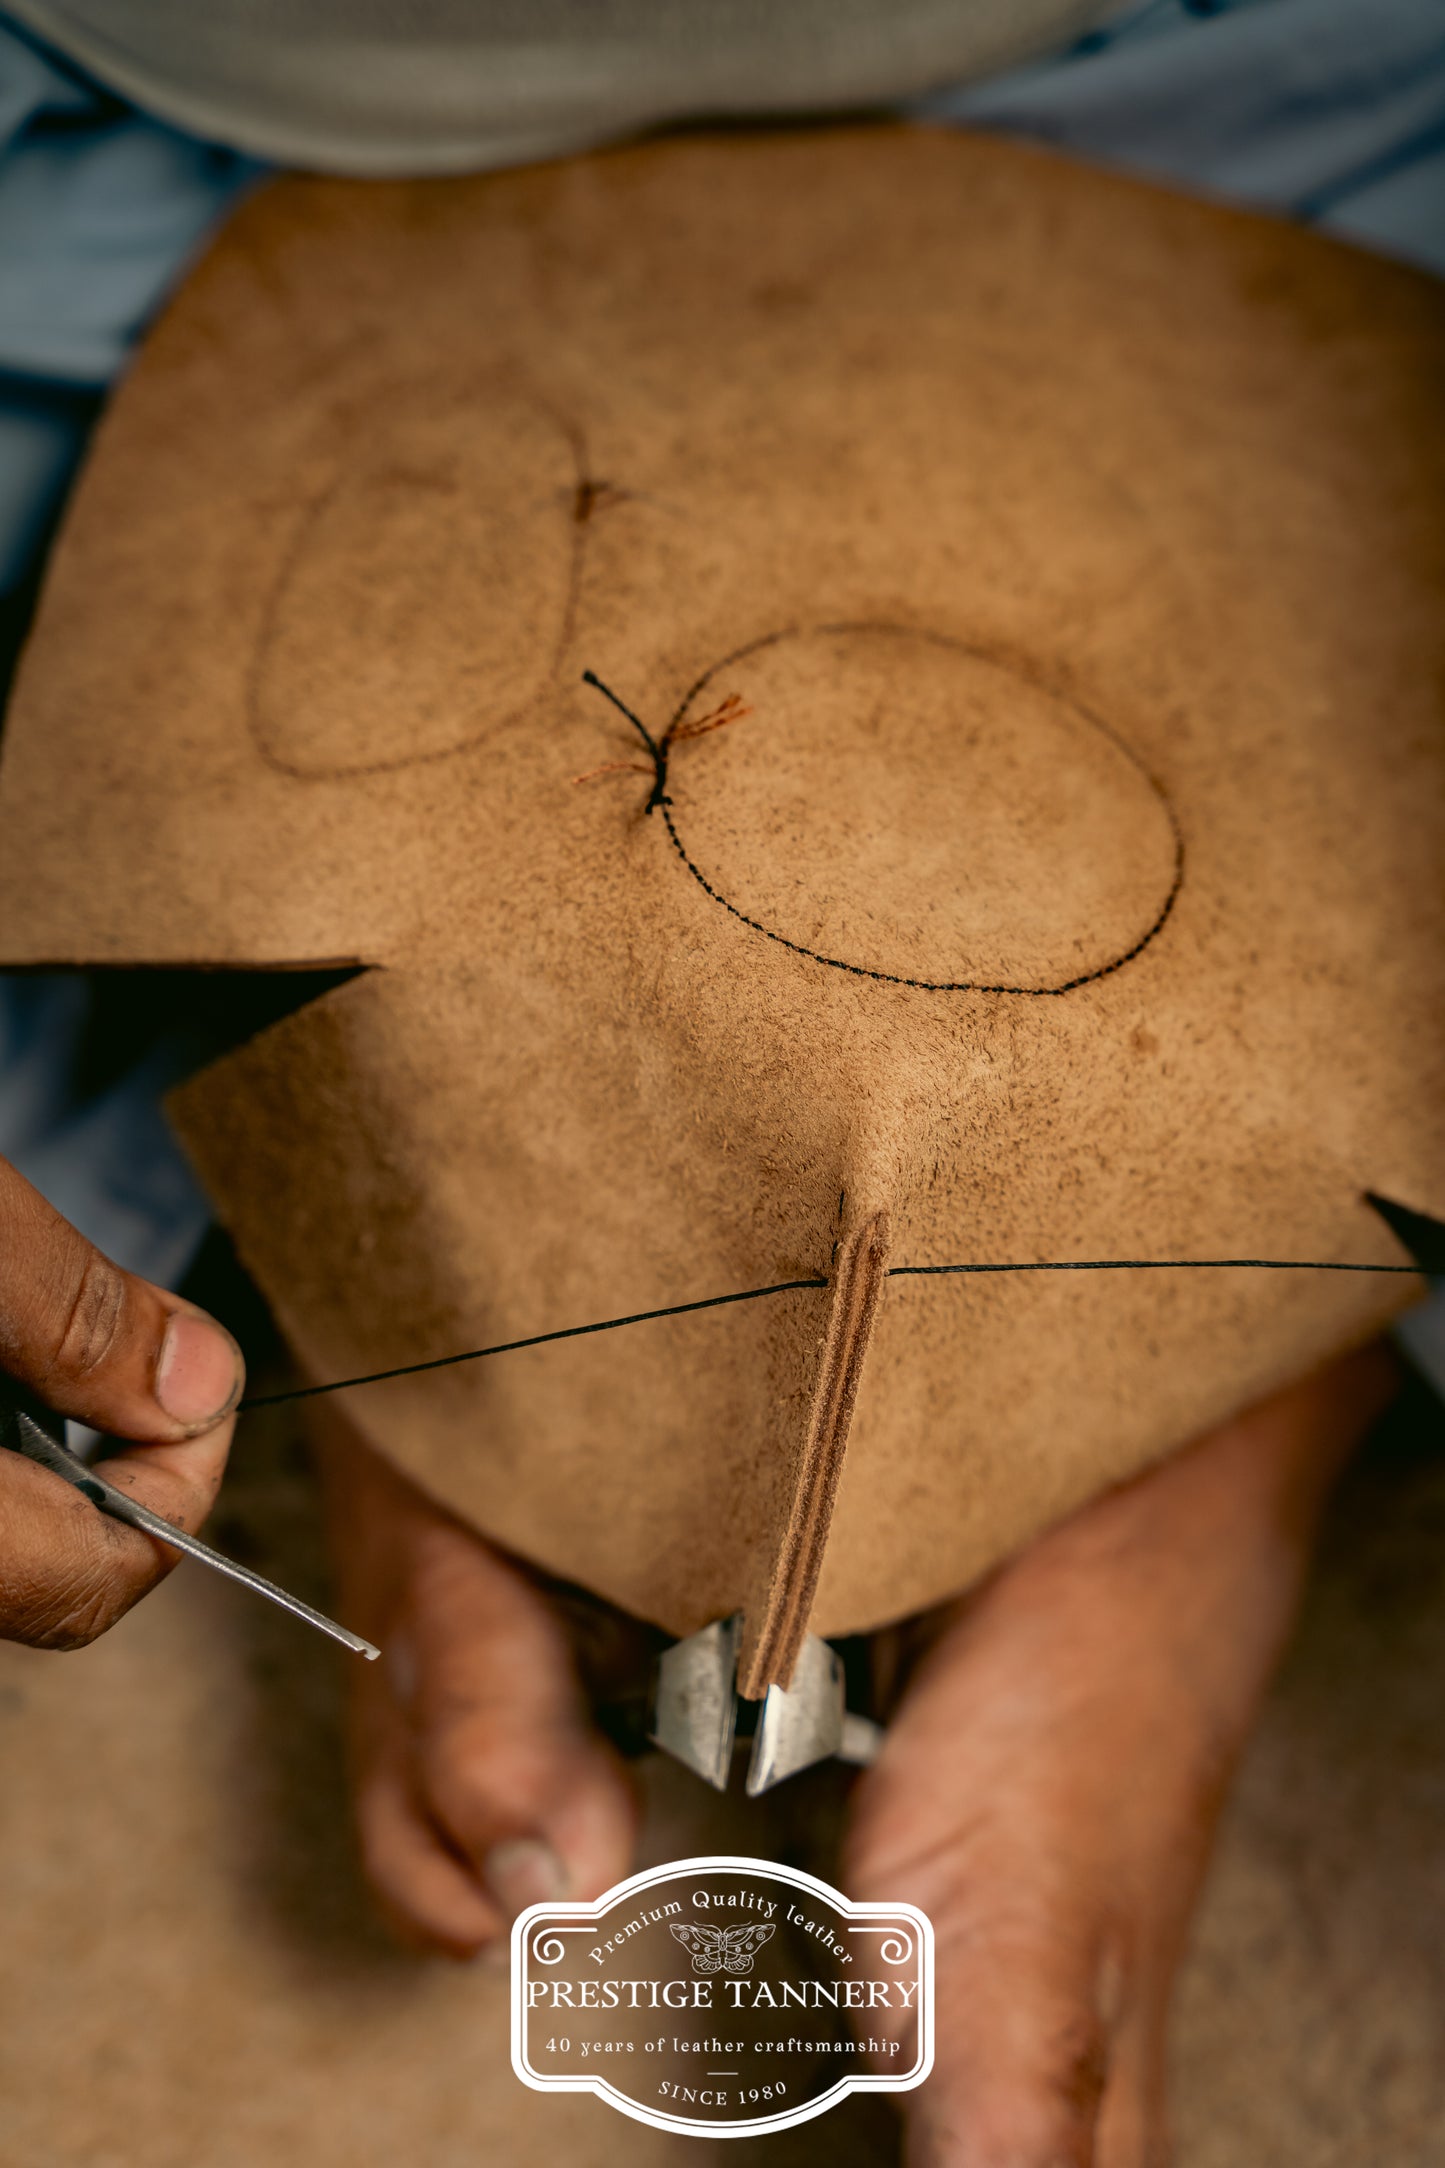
[
  {"x": 659, "y": 749},
  {"x": 929, "y": 986},
  {"x": 786, "y": 1287},
  {"x": 536, "y": 1339},
  {"x": 1158, "y": 1264}
]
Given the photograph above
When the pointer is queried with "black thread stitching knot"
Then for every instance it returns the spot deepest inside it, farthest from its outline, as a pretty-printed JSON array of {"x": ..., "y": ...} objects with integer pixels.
[{"x": 659, "y": 749}]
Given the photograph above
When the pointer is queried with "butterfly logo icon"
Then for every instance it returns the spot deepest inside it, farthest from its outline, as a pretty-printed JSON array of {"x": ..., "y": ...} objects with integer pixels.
[{"x": 721, "y": 1949}]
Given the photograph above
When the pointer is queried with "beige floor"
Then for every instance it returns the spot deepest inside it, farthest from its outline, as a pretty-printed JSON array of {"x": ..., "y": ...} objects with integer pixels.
[{"x": 189, "y": 1977}]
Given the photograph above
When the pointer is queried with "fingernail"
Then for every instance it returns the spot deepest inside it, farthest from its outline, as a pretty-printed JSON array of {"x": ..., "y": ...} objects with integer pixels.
[
  {"x": 198, "y": 1376},
  {"x": 523, "y": 1871},
  {"x": 497, "y": 1956}
]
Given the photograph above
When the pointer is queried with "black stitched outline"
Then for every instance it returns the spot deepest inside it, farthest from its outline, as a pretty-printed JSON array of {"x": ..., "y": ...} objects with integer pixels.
[{"x": 660, "y": 748}]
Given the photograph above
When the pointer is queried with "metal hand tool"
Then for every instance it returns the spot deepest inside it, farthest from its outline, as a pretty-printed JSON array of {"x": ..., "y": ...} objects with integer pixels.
[
  {"x": 35, "y": 1432},
  {"x": 695, "y": 1710}
]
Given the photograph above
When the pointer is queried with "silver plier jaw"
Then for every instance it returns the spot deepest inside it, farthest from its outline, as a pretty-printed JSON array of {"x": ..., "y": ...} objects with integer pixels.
[{"x": 694, "y": 1711}]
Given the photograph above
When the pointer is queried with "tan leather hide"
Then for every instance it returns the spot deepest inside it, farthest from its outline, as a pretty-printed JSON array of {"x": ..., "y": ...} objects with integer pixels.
[{"x": 1059, "y": 562}]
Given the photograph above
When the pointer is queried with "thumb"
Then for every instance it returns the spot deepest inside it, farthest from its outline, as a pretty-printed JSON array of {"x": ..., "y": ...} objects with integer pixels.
[{"x": 98, "y": 1344}]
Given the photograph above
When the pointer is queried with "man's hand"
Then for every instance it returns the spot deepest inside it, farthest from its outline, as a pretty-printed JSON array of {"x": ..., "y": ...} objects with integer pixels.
[{"x": 112, "y": 1351}]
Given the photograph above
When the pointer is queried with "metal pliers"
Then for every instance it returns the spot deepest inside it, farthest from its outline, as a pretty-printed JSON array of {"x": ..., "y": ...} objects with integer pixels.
[{"x": 695, "y": 1708}]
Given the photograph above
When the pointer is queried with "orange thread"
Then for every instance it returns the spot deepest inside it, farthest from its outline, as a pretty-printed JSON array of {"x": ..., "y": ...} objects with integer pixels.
[
  {"x": 731, "y": 710},
  {"x": 613, "y": 767}
]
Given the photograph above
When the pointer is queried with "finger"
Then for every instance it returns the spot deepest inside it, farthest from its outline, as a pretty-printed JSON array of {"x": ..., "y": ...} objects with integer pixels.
[
  {"x": 68, "y": 1571},
  {"x": 507, "y": 1761},
  {"x": 430, "y": 1899},
  {"x": 97, "y": 1343}
]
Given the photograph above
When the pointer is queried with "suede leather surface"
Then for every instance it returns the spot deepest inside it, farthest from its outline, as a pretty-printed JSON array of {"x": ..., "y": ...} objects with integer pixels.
[{"x": 1059, "y": 562}]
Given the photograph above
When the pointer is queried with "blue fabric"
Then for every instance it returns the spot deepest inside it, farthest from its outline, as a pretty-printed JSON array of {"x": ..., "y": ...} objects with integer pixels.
[
  {"x": 1328, "y": 111},
  {"x": 1332, "y": 111},
  {"x": 107, "y": 1160},
  {"x": 100, "y": 211}
]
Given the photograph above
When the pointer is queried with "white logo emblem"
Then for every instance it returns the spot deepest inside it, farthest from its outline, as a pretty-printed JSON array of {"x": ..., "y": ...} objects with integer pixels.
[{"x": 721, "y": 1949}]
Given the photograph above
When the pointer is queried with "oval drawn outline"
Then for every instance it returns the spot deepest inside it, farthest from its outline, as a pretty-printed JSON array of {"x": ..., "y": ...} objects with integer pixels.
[{"x": 893, "y": 978}]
